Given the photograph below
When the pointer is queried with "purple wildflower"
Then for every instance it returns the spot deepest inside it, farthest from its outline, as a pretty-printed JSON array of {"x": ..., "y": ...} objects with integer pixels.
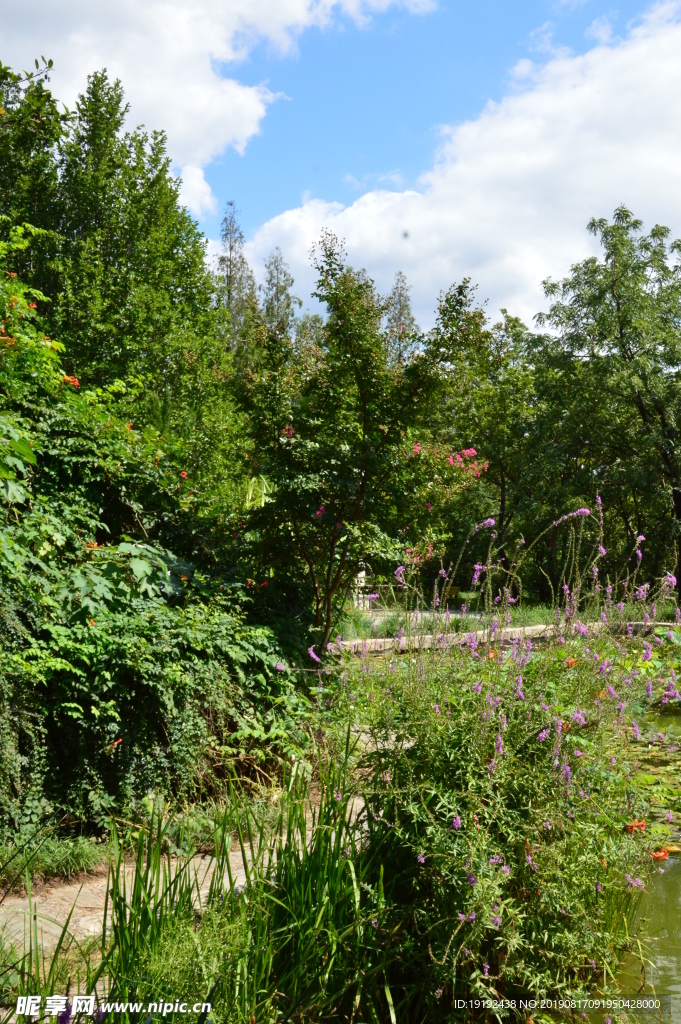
[
  {"x": 479, "y": 569},
  {"x": 506, "y": 870},
  {"x": 456, "y": 824},
  {"x": 279, "y": 667},
  {"x": 421, "y": 859},
  {"x": 571, "y": 515},
  {"x": 567, "y": 773},
  {"x": 544, "y": 735},
  {"x": 471, "y": 879},
  {"x": 311, "y": 652}
]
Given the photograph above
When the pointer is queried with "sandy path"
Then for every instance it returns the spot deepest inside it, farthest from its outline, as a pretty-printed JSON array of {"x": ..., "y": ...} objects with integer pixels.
[{"x": 52, "y": 901}]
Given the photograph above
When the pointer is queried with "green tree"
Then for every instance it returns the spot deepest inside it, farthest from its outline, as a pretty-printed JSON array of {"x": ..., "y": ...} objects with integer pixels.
[
  {"x": 490, "y": 367},
  {"x": 332, "y": 417},
  {"x": 401, "y": 327},
  {"x": 31, "y": 125},
  {"x": 616, "y": 358},
  {"x": 278, "y": 303},
  {"x": 134, "y": 284},
  {"x": 234, "y": 279}
]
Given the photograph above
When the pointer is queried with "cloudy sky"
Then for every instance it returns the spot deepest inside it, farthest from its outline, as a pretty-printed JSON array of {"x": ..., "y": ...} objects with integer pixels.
[{"x": 443, "y": 138}]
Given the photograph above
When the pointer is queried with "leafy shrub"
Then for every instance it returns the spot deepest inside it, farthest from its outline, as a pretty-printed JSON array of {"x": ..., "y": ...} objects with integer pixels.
[
  {"x": 124, "y": 669},
  {"x": 499, "y": 796}
]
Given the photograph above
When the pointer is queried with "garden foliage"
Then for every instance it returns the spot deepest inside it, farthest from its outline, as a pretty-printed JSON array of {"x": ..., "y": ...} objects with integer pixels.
[{"x": 125, "y": 669}]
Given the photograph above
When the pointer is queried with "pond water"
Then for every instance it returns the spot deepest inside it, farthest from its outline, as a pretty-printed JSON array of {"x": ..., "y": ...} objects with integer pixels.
[{"x": 661, "y": 911}]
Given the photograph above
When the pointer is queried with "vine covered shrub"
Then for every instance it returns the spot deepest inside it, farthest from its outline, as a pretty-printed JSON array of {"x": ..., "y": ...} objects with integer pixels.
[{"x": 124, "y": 669}]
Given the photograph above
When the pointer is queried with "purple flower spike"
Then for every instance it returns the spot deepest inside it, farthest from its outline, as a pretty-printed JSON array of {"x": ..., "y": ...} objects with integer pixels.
[
  {"x": 456, "y": 824},
  {"x": 421, "y": 859},
  {"x": 311, "y": 652}
]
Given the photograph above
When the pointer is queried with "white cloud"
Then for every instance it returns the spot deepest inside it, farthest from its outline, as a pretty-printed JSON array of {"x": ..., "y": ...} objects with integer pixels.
[
  {"x": 169, "y": 55},
  {"x": 600, "y": 30},
  {"x": 196, "y": 193},
  {"x": 510, "y": 193}
]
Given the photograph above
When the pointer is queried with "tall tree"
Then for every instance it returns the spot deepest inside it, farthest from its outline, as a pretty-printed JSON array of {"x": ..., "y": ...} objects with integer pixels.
[
  {"x": 489, "y": 367},
  {"x": 235, "y": 281},
  {"x": 334, "y": 425},
  {"x": 135, "y": 284},
  {"x": 277, "y": 301},
  {"x": 401, "y": 327},
  {"x": 618, "y": 324}
]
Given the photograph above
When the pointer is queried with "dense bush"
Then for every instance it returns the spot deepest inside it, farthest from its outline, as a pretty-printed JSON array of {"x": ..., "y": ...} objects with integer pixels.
[
  {"x": 124, "y": 669},
  {"x": 501, "y": 806}
]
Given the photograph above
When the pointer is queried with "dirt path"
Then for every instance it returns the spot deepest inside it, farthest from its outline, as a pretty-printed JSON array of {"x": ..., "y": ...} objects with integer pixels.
[{"x": 52, "y": 901}]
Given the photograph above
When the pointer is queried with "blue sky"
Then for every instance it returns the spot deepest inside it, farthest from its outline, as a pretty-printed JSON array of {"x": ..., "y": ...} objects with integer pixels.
[
  {"x": 364, "y": 105},
  {"x": 441, "y": 138}
]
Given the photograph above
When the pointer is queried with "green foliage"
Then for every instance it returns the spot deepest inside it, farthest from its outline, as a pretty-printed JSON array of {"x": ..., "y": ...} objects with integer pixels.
[
  {"x": 496, "y": 798},
  {"x": 352, "y": 903},
  {"x": 124, "y": 669},
  {"x": 49, "y": 856},
  {"x": 614, "y": 369},
  {"x": 336, "y": 424}
]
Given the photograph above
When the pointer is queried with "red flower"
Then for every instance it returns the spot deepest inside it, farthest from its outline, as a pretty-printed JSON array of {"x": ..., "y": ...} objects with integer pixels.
[
  {"x": 32, "y": 305},
  {"x": 71, "y": 380},
  {"x": 183, "y": 474}
]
